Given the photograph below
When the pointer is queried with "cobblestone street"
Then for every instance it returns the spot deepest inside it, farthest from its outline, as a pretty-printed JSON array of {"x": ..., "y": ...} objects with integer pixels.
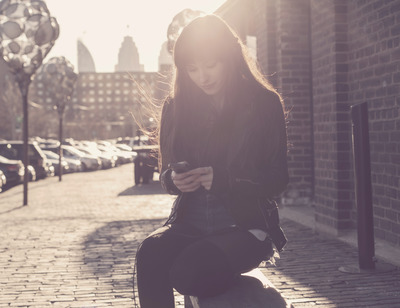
[{"x": 74, "y": 244}]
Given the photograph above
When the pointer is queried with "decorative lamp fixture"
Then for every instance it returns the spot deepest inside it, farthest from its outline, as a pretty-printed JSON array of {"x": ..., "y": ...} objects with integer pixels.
[
  {"x": 59, "y": 79},
  {"x": 178, "y": 23},
  {"x": 27, "y": 33}
]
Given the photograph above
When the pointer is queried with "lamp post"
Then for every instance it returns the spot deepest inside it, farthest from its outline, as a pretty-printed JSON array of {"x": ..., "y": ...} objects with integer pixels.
[
  {"x": 27, "y": 33},
  {"x": 59, "y": 78}
]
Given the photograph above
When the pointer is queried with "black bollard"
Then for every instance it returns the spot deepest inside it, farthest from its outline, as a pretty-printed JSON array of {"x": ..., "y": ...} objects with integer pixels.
[{"x": 363, "y": 187}]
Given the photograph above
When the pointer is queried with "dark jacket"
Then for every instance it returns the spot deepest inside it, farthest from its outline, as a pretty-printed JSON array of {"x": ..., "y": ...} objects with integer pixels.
[{"x": 256, "y": 166}]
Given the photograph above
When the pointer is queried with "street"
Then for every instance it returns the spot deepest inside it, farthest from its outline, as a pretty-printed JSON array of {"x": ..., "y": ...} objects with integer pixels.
[{"x": 74, "y": 245}]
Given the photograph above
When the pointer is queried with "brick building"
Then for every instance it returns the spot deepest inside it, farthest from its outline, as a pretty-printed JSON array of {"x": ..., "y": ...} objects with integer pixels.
[
  {"x": 101, "y": 104},
  {"x": 323, "y": 57}
]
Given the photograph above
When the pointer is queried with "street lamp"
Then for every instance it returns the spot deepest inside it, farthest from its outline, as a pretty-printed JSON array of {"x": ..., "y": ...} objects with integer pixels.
[
  {"x": 27, "y": 33},
  {"x": 58, "y": 78}
]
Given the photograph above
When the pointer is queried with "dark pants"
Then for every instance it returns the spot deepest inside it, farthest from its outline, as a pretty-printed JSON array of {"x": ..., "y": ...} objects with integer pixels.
[{"x": 178, "y": 257}]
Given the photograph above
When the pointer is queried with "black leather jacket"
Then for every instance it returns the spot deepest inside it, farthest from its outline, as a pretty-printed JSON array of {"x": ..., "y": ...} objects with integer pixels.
[{"x": 256, "y": 170}]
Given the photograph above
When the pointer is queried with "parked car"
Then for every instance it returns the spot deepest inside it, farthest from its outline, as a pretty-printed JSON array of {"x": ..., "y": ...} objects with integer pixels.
[
  {"x": 3, "y": 181},
  {"x": 126, "y": 149},
  {"x": 32, "y": 174},
  {"x": 108, "y": 160},
  {"x": 55, "y": 161},
  {"x": 13, "y": 170},
  {"x": 89, "y": 162},
  {"x": 51, "y": 170},
  {"x": 75, "y": 165},
  {"x": 14, "y": 150},
  {"x": 146, "y": 161},
  {"x": 122, "y": 156}
]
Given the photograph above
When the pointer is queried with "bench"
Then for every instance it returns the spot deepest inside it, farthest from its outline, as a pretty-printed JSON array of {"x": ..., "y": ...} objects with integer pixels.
[{"x": 250, "y": 290}]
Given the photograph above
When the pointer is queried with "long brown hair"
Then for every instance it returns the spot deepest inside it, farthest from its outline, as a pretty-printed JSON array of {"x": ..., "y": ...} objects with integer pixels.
[{"x": 206, "y": 35}]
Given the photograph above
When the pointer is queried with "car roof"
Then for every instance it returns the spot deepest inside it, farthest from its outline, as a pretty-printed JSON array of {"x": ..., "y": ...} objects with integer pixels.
[{"x": 17, "y": 142}]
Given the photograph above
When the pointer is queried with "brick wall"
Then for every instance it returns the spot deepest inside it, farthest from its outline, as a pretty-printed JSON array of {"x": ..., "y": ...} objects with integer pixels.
[
  {"x": 374, "y": 77},
  {"x": 355, "y": 57},
  {"x": 334, "y": 191},
  {"x": 284, "y": 56}
]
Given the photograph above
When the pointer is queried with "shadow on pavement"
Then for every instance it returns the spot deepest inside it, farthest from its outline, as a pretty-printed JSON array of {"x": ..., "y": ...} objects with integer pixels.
[
  {"x": 12, "y": 210},
  {"x": 308, "y": 273},
  {"x": 152, "y": 188},
  {"x": 109, "y": 252}
]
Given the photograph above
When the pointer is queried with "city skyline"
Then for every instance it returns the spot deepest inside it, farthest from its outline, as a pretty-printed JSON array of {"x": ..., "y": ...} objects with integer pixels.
[{"x": 102, "y": 27}]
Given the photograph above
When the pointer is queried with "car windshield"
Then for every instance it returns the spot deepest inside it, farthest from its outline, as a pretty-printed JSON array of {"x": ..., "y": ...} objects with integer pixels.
[
  {"x": 50, "y": 154},
  {"x": 72, "y": 150}
]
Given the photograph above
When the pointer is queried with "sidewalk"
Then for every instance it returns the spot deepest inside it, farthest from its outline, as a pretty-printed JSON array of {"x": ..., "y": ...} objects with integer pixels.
[
  {"x": 307, "y": 274},
  {"x": 74, "y": 246}
]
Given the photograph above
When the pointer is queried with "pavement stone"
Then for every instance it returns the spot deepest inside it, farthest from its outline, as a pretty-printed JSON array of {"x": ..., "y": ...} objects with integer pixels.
[{"x": 74, "y": 245}]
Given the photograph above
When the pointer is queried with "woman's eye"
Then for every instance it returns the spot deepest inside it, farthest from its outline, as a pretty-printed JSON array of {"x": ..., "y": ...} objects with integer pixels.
[{"x": 191, "y": 69}]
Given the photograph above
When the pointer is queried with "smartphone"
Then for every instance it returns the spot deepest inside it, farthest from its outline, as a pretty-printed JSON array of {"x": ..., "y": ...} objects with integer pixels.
[{"x": 180, "y": 167}]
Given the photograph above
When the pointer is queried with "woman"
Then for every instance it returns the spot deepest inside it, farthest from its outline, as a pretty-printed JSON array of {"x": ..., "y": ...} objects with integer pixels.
[{"x": 228, "y": 124}]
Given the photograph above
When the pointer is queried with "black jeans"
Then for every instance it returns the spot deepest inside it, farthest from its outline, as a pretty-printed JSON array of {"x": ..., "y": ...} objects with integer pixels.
[{"x": 179, "y": 257}]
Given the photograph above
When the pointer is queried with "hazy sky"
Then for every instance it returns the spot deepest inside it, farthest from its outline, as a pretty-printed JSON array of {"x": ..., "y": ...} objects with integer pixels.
[{"x": 102, "y": 24}]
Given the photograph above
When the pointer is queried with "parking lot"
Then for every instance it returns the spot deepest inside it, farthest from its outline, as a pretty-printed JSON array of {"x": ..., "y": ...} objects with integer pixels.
[{"x": 77, "y": 156}]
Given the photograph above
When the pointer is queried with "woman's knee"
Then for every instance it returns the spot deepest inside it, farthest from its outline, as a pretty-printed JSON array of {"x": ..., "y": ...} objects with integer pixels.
[
  {"x": 151, "y": 247},
  {"x": 201, "y": 270}
]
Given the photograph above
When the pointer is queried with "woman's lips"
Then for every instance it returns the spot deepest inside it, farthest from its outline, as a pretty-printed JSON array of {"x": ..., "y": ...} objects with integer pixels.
[{"x": 207, "y": 86}]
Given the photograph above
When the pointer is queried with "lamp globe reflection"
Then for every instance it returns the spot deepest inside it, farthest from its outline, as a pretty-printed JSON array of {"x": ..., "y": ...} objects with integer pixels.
[
  {"x": 27, "y": 33},
  {"x": 59, "y": 79}
]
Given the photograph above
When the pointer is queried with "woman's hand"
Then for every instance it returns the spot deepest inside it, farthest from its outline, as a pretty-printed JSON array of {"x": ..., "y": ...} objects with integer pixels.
[{"x": 193, "y": 179}]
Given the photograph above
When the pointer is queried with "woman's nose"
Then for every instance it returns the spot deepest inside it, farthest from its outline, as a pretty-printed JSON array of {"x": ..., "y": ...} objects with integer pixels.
[{"x": 203, "y": 76}]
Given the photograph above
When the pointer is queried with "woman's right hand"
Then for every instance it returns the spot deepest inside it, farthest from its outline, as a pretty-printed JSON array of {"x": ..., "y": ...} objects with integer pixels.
[{"x": 186, "y": 181}]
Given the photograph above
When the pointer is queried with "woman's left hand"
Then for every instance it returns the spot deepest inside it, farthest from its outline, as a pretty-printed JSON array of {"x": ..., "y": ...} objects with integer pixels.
[{"x": 205, "y": 174}]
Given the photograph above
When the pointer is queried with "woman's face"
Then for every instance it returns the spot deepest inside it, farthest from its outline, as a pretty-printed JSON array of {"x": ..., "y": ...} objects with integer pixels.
[{"x": 209, "y": 75}]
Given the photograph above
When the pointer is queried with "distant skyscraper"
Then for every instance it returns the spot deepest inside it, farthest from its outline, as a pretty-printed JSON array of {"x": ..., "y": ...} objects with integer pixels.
[
  {"x": 85, "y": 59},
  {"x": 128, "y": 57},
  {"x": 165, "y": 58}
]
